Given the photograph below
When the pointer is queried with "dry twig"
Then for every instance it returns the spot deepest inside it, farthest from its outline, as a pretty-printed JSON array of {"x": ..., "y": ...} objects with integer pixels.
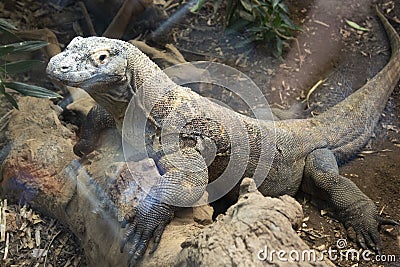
[{"x": 87, "y": 18}]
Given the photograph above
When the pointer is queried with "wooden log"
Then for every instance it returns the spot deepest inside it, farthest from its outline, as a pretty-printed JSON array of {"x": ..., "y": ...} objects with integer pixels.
[
  {"x": 90, "y": 196},
  {"x": 253, "y": 232},
  {"x": 129, "y": 10}
]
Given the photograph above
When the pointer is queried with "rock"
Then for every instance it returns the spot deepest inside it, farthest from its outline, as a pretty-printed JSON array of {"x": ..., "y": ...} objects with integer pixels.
[{"x": 203, "y": 214}]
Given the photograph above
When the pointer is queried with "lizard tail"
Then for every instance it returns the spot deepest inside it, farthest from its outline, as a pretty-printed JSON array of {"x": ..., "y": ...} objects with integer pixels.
[
  {"x": 394, "y": 38},
  {"x": 348, "y": 125}
]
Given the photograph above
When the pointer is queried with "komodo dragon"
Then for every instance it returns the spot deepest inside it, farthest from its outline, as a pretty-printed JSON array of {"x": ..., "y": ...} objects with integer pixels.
[{"x": 305, "y": 154}]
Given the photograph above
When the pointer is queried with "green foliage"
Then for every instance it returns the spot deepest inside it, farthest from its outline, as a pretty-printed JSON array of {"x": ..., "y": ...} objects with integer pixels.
[
  {"x": 260, "y": 20},
  {"x": 20, "y": 66},
  {"x": 356, "y": 26}
]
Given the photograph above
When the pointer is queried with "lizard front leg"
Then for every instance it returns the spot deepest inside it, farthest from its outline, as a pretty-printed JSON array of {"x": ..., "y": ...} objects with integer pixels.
[
  {"x": 351, "y": 205},
  {"x": 184, "y": 177},
  {"x": 97, "y": 120}
]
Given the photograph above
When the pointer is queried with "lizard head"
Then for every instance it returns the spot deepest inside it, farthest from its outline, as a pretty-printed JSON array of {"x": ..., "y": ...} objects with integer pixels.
[{"x": 88, "y": 62}]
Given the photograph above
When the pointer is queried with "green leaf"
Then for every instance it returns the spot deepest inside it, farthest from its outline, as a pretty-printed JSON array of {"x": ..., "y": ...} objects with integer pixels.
[
  {"x": 31, "y": 90},
  {"x": 7, "y": 27},
  {"x": 356, "y": 26},
  {"x": 5, "y": 50},
  {"x": 21, "y": 66},
  {"x": 284, "y": 7},
  {"x": 197, "y": 6},
  {"x": 11, "y": 100},
  {"x": 246, "y": 16},
  {"x": 275, "y": 3},
  {"x": 279, "y": 46},
  {"x": 2, "y": 88},
  {"x": 289, "y": 23},
  {"x": 25, "y": 46},
  {"x": 257, "y": 29},
  {"x": 231, "y": 7},
  {"x": 261, "y": 11},
  {"x": 277, "y": 23},
  {"x": 247, "y": 5}
]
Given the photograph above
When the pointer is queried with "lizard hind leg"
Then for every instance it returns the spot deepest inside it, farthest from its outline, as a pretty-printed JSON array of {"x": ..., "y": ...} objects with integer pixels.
[{"x": 351, "y": 206}]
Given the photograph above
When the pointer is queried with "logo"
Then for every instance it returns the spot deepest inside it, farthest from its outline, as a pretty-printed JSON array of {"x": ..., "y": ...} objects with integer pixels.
[{"x": 341, "y": 243}]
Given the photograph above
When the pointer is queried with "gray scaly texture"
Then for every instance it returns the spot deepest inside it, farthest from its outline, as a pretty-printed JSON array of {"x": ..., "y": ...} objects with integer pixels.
[{"x": 304, "y": 153}]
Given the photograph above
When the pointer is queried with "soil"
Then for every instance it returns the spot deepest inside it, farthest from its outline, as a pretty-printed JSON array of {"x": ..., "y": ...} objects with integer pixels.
[{"x": 349, "y": 58}]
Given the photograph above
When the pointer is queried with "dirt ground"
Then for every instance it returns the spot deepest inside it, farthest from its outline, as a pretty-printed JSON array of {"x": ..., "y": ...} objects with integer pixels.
[{"x": 354, "y": 56}]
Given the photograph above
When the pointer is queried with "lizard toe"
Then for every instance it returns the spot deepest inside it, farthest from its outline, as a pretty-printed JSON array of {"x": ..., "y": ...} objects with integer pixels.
[
  {"x": 157, "y": 237},
  {"x": 138, "y": 254},
  {"x": 361, "y": 240},
  {"x": 129, "y": 234},
  {"x": 149, "y": 223},
  {"x": 133, "y": 259},
  {"x": 384, "y": 221}
]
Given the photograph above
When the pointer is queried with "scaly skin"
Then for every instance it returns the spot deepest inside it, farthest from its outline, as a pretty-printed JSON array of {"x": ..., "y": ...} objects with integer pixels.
[
  {"x": 305, "y": 151},
  {"x": 97, "y": 120}
]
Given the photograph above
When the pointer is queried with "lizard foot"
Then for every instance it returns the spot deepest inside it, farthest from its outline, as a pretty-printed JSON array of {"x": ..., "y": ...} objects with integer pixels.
[
  {"x": 366, "y": 222},
  {"x": 83, "y": 147},
  {"x": 149, "y": 222}
]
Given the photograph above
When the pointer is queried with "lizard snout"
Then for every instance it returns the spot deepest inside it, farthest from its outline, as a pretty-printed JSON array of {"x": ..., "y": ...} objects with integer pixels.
[{"x": 56, "y": 68}]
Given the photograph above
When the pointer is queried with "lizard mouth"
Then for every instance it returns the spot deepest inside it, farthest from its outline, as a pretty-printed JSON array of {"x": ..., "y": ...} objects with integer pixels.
[{"x": 85, "y": 82}]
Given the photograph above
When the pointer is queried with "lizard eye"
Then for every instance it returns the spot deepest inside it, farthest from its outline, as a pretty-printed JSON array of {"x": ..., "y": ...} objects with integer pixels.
[{"x": 100, "y": 57}]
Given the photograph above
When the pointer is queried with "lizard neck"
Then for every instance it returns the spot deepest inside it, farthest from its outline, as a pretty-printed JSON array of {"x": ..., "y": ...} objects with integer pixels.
[
  {"x": 115, "y": 99},
  {"x": 149, "y": 83}
]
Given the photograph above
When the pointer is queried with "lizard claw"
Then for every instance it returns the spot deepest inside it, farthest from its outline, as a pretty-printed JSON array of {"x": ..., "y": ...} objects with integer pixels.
[
  {"x": 149, "y": 223},
  {"x": 384, "y": 221},
  {"x": 366, "y": 222}
]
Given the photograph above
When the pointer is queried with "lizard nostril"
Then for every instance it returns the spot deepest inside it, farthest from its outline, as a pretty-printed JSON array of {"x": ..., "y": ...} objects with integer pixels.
[{"x": 65, "y": 68}]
